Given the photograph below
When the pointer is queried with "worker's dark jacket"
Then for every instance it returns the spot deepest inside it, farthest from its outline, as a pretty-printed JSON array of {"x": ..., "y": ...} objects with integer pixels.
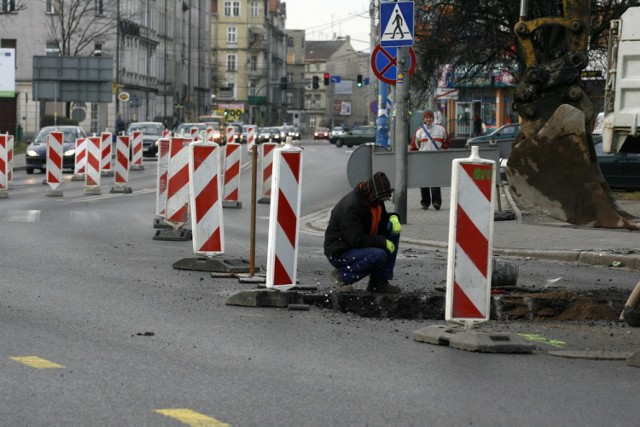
[{"x": 350, "y": 225}]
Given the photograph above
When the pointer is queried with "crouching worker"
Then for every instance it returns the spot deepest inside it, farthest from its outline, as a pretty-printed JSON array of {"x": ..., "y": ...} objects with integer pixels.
[{"x": 362, "y": 237}]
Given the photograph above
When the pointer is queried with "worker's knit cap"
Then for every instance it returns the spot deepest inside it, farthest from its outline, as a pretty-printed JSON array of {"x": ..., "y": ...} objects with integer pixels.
[{"x": 378, "y": 187}]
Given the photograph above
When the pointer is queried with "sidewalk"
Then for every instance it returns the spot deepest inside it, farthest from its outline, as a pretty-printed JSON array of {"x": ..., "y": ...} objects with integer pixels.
[{"x": 551, "y": 240}]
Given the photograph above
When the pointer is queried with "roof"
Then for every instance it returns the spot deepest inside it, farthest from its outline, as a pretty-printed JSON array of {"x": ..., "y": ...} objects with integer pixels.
[{"x": 322, "y": 50}]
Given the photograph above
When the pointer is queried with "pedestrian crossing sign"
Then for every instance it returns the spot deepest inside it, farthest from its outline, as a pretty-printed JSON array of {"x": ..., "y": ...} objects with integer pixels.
[{"x": 396, "y": 24}]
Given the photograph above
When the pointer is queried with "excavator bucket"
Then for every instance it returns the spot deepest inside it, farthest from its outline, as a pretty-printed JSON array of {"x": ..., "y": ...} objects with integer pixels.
[{"x": 554, "y": 170}]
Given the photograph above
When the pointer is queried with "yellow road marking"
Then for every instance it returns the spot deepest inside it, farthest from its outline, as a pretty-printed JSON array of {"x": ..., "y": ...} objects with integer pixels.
[
  {"x": 541, "y": 339},
  {"x": 191, "y": 418},
  {"x": 36, "y": 362}
]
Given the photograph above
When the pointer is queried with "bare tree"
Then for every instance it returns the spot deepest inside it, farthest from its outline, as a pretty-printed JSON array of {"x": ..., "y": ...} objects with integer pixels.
[
  {"x": 76, "y": 25},
  {"x": 477, "y": 36}
]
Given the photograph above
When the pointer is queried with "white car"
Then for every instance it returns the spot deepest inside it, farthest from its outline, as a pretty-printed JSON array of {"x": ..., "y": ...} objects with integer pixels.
[{"x": 337, "y": 131}]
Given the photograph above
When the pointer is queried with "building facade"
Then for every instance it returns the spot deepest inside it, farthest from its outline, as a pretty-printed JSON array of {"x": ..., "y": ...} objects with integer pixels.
[
  {"x": 160, "y": 50},
  {"x": 248, "y": 58}
]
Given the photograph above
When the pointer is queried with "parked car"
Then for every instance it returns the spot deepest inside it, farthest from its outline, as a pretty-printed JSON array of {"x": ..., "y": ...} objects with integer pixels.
[
  {"x": 356, "y": 136},
  {"x": 321, "y": 133},
  {"x": 151, "y": 133},
  {"x": 620, "y": 170},
  {"x": 502, "y": 138},
  {"x": 36, "y": 153}
]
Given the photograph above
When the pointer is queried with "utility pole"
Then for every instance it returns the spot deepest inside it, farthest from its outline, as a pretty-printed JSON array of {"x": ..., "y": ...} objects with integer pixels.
[{"x": 401, "y": 132}]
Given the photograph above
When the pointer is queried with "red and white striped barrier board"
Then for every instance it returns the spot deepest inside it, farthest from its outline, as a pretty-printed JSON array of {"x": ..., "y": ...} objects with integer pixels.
[
  {"x": 163, "y": 170},
  {"x": 213, "y": 135},
  {"x": 284, "y": 222},
  {"x": 121, "y": 177},
  {"x": 194, "y": 132},
  {"x": 205, "y": 201},
  {"x": 9, "y": 160},
  {"x": 93, "y": 167},
  {"x": 106, "y": 165},
  {"x": 470, "y": 240},
  {"x": 4, "y": 166},
  {"x": 266, "y": 156},
  {"x": 178, "y": 182},
  {"x": 55, "y": 150},
  {"x": 136, "y": 151},
  {"x": 80, "y": 165},
  {"x": 166, "y": 134},
  {"x": 232, "y": 159},
  {"x": 251, "y": 137},
  {"x": 230, "y": 134}
]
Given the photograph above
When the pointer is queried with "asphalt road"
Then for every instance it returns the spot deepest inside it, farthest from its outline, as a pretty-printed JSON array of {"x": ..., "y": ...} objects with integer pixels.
[{"x": 136, "y": 342}]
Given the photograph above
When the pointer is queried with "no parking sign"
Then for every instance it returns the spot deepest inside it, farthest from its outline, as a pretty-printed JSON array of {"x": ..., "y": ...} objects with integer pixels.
[{"x": 384, "y": 63}]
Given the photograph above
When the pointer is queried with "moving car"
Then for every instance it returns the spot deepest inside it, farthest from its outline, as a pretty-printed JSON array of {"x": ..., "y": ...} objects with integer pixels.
[
  {"x": 338, "y": 130},
  {"x": 321, "y": 133},
  {"x": 36, "y": 154},
  {"x": 290, "y": 131},
  {"x": 356, "y": 136},
  {"x": 267, "y": 134},
  {"x": 185, "y": 128},
  {"x": 151, "y": 133},
  {"x": 620, "y": 170}
]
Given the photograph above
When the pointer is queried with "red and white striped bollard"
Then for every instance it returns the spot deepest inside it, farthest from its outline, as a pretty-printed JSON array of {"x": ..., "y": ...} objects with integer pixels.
[
  {"x": 284, "y": 219},
  {"x": 55, "y": 150},
  {"x": 93, "y": 168},
  {"x": 205, "y": 200},
  {"x": 266, "y": 160},
  {"x": 121, "y": 176},
  {"x": 106, "y": 143},
  {"x": 136, "y": 151},
  {"x": 470, "y": 240},
  {"x": 232, "y": 159}
]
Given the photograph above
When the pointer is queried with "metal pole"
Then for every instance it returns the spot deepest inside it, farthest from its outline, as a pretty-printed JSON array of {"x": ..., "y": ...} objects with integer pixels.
[
  {"x": 401, "y": 132},
  {"x": 117, "y": 57},
  {"x": 382, "y": 136}
]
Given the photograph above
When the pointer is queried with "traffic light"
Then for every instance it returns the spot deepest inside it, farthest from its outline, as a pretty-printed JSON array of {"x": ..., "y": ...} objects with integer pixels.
[
  {"x": 316, "y": 82},
  {"x": 327, "y": 77},
  {"x": 359, "y": 80}
]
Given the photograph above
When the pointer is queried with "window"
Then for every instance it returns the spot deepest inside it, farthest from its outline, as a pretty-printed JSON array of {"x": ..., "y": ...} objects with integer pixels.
[
  {"x": 49, "y": 7},
  {"x": 231, "y": 8},
  {"x": 97, "y": 49},
  {"x": 8, "y": 5},
  {"x": 99, "y": 7},
  {"x": 232, "y": 35},
  {"x": 231, "y": 63},
  {"x": 255, "y": 9},
  {"x": 253, "y": 63},
  {"x": 52, "y": 49}
]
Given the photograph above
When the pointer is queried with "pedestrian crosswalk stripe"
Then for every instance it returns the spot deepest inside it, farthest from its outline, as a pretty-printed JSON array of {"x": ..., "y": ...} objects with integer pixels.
[
  {"x": 191, "y": 418},
  {"x": 36, "y": 362}
]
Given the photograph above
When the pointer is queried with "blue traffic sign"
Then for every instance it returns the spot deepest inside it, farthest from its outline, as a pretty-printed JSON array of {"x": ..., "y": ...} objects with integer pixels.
[{"x": 396, "y": 24}]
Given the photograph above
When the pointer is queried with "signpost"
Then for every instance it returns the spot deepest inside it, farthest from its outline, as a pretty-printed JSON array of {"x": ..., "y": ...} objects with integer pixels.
[{"x": 384, "y": 63}]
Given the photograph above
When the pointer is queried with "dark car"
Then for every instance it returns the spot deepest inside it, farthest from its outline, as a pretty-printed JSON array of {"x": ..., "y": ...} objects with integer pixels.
[
  {"x": 289, "y": 131},
  {"x": 356, "y": 136},
  {"x": 321, "y": 133},
  {"x": 151, "y": 133},
  {"x": 620, "y": 170},
  {"x": 502, "y": 138},
  {"x": 267, "y": 134},
  {"x": 36, "y": 154}
]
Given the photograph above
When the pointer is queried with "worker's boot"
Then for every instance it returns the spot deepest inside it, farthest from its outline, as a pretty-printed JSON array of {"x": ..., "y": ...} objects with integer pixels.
[
  {"x": 338, "y": 284},
  {"x": 381, "y": 286}
]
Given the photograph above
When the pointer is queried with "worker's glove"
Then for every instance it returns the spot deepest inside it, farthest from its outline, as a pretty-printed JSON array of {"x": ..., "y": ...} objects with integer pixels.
[
  {"x": 391, "y": 247},
  {"x": 394, "y": 225}
]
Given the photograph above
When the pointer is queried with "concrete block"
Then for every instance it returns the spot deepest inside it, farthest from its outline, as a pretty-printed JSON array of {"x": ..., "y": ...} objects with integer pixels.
[
  {"x": 263, "y": 298},
  {"x": 483, "y": 341},
  {"x": 634, "y": 360},
  {"x": 173, "y": 235},
  {"x": 220, "y": 265}
]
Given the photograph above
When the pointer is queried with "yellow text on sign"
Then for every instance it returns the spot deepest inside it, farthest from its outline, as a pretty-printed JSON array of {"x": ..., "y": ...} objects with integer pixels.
[
  {"x": 36, "y": 362},
  {"x": 191, "y": 418}
]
